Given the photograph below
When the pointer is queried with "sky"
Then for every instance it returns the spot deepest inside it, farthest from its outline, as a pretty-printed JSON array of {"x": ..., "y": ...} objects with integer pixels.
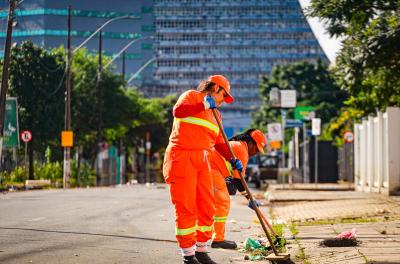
[{"x": 330, "y": 45}]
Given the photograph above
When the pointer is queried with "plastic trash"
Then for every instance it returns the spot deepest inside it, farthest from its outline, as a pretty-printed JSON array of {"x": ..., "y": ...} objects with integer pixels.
[
  {"x": 252, "y": 244},
  {"x": 348, "y": 234}
]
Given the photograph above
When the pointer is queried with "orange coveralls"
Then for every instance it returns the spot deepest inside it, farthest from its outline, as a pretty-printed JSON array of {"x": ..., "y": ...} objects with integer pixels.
[
  {"x": 220, "y": 170},
  {"x": 187, "y": 170}
]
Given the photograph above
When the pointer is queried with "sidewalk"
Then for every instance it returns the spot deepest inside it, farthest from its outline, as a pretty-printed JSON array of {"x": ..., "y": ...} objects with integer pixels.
[{"x": 307, "y": 210}]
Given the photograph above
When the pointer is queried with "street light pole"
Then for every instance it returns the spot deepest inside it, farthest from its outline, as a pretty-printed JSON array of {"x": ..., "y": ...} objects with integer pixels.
[
  {"x": 67, "y": 150},
  {"x": 67, "y": 126},
  {"x": 123, "y": 65},
  {"x": 98, "y": 86},
  {"x": 5, "y": 73}
]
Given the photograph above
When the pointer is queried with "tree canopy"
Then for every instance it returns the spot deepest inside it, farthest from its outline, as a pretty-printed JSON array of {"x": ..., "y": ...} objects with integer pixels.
[{"x": 315, "y": 87}]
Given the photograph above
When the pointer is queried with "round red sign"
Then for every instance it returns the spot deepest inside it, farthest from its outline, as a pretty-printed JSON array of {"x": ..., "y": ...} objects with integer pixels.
[
  {"x": 348, "y": 136},
  {"x": 26, "y": 136}
]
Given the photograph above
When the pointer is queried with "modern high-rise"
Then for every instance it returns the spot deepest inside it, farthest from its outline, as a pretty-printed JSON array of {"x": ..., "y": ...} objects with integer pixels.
[
  {"x": 241, "y": 39},
  {"x": 44, "y": 22}
]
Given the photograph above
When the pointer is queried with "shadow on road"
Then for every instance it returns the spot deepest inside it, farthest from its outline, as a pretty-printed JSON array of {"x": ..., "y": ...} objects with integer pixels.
[{"x": 90, "y": 234}]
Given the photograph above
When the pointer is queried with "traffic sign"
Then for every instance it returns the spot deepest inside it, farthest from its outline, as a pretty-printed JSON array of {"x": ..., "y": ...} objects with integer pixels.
[
  {"x": 304, "y": 112},
  {"x": 348, "y": 136},
  {"x": 288, "y": 98},
  {"x": 274, "y": 132},
  {"x": 289, "y": 123},
  {"x": 10, "y": 132},
  {"x": 26, "y": 136},
  {"x": 316, "y": 126},
  {"x": 67, "y": 139}
]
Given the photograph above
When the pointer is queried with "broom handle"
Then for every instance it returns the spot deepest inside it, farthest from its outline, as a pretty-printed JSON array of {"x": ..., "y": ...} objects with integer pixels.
[{"x": 256, "y": 209}]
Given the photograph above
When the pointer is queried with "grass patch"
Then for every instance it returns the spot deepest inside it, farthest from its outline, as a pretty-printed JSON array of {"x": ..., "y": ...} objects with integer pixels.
[
  {"x": 339, "y": 221},
  {"x": 293, "y": 229}
]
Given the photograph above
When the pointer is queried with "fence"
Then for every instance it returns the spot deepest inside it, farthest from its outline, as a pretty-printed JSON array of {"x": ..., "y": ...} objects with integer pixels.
[
  {"x": 377, "y": 153},
  {"x": 346, "y": 162}
]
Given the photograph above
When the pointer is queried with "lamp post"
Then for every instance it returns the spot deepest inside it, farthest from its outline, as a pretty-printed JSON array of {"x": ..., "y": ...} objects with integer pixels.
[{"x": 67, "y": 150}]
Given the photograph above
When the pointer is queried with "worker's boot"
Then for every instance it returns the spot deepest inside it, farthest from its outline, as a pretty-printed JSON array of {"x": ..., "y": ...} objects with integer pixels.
[
  {"x": 226, "y": 244},
  {"x": 190, "y": 260},
  {"x": 203, "y": 258}
]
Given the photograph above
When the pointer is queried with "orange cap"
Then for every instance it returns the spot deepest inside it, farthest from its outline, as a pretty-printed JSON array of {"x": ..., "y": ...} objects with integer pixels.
[
  {"x": 259, "y": 138},
  {"x": 224, "y": 83}
]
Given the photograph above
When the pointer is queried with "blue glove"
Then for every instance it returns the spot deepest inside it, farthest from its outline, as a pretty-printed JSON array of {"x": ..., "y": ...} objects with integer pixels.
[
  {"x": 209, "y": 102},
  {"x": 229, "y": 180},
  {"x": 250, "y": 205},
  {"x": 237, "y": 165}
]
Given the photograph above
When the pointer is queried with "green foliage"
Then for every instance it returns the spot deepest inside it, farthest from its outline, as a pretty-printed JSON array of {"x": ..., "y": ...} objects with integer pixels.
[
  {"x": 52, "y": 171},
  {"x": 315, "y": 87},
  {"x": 369, "y": 62},
  {"x": 82, "y": 177},
  {"x": 36, "y": 79},
  {"x": 18, "y": 175}
]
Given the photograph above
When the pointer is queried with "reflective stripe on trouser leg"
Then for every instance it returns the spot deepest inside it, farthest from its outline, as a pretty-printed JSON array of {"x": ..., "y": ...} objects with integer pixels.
[
  {"x": 201, "y": 246},
  {"x": 204, "y": 202},
  {"x": 222, "y": 206}
]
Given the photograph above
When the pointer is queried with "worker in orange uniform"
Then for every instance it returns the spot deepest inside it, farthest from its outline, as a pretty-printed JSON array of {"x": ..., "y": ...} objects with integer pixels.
[
  {"x": 187, "y": 168},
  {"x": 243, "y": 146}
]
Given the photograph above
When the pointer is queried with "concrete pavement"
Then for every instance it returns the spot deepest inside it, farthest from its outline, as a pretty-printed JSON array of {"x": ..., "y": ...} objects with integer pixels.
[
  {"x": 135, "y": 224},
  {"x": 376, "y": 219}
]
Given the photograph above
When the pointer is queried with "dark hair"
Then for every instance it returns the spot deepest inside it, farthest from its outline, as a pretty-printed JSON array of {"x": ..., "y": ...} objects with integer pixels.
[
  {"x": 245, "y": 136},
  {"x": 206, "y": 86}
]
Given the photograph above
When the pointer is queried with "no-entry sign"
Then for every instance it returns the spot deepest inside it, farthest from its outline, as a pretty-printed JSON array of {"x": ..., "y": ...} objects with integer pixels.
[
  {"x": 26, "y": 136},
  {"x": 348, "y": 136}
]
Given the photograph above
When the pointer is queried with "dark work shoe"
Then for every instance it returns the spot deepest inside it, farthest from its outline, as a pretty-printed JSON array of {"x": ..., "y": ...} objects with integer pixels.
[
  {"x": 226, "y": 244},
  {"x": 190, "y": 260},
  {"x": 203, "y": 258}
]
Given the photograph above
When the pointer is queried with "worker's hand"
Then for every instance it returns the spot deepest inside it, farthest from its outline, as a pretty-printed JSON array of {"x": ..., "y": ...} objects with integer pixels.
[
  {"x": 229, "y": 180},
  {"x": 250, "y": 205},
  {"x": 209, "y": 102},
  {"x": 237, "y": 165}
]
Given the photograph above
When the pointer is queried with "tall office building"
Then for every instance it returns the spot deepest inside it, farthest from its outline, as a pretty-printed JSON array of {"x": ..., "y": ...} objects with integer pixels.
[
  {"x": 241, "y": 39},
  {"x": 44, "y": 22}
]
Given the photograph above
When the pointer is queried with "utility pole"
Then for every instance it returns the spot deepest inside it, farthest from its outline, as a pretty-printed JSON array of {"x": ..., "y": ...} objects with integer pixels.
[
  {"x": 98, "y": 87},
  {"x": 67, "y": 126},
  {"x": 123, "y": 65},
  {"x": 5, "y": 73}
]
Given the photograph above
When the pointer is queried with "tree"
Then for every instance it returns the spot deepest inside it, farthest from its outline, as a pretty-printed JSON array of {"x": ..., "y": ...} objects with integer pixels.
[
  {"x": 314, "y": 84},
  {"x": 37, "y": 80},
  {"x": 369, "y": 62}
]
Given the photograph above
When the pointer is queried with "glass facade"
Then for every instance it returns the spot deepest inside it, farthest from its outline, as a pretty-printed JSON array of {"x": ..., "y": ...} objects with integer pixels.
[
  {"x": 44, "y": 22},
  {"x": 239, "y": 39}
]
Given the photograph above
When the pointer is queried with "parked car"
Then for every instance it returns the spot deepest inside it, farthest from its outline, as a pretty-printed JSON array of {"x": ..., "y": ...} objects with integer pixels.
[{"x": 261, "y": 168}]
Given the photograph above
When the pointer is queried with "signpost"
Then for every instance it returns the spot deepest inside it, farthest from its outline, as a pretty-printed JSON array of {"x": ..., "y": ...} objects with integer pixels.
[
  {"x": 11, "y": 138},
  {"x": 304, "y": 113},
  {"x": 26, "y": 136},
  {"x": 316, "y": 131},
  {"x": 288, "y": 98}
]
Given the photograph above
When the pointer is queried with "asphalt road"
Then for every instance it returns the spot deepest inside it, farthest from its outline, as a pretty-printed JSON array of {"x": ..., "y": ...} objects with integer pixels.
[{"x": 128, "y": 224}]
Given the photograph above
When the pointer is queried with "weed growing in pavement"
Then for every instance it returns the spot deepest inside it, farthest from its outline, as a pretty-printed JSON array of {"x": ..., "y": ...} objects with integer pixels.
[
  {"x": 302, "y": 255},
  {"x": 339, "y": 221},
  {"x": 293, "y": 229}
]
